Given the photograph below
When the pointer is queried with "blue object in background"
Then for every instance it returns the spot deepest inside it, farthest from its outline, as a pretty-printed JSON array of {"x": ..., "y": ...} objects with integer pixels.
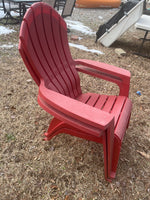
[{"x": 139, "y": 93}]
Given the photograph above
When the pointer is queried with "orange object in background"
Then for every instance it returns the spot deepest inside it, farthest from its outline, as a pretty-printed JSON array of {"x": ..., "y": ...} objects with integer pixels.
[{"x": 98, "y": 3}]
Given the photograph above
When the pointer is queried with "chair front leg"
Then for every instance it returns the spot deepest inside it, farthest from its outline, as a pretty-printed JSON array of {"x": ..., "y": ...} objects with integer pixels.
[
  {"x": 53, "y": 127},
  {"x": 116, "y": 153},
  {"x": 108, "y": 144}
]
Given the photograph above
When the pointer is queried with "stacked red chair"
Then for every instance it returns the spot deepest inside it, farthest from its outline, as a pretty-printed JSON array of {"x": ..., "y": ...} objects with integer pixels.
[{"x": 104, "y": 119}]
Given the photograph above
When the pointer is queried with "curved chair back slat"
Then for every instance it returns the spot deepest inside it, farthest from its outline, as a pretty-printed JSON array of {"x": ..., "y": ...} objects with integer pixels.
[{"x": 45, "y": 51}]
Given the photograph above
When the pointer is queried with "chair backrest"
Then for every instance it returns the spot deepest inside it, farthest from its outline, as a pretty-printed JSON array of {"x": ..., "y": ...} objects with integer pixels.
[
  {"x": 68, "y": 8},
  {"x": 52, "y": 3},
  {"x": 44, "y": 48}
]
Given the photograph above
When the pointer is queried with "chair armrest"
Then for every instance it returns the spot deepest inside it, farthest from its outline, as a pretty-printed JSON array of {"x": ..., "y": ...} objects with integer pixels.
[
  {"x": 107, "y": 72},
  {"x": 73, "y": 112}
]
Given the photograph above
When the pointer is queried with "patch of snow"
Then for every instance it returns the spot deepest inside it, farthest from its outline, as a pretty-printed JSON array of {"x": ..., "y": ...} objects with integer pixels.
[
  {"x": 4, "y": 30},
  {"x": 59, "y": 11},
  {"x": 79, "y": 26},
  {"x": 8, "y": 46},
  {"x": 84, "y": 48},
  {"x": 80, "y": 38},
  {"x": 2, "y": 14},
  {"x": 100, "y": 17}
]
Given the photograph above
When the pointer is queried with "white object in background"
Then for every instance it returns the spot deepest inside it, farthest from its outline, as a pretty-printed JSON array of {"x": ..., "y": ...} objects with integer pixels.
[
  {"x": 123, "y": 25},
  {"x": 143, "y": 23}
]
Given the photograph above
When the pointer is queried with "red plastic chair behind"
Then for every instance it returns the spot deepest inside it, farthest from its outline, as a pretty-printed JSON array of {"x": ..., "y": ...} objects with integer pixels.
[{"x": 104, "y": 119}]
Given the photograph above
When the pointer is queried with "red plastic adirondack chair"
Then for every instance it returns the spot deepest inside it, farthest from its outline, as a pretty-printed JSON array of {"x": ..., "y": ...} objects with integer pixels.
[{"x": 104, "y": 119}]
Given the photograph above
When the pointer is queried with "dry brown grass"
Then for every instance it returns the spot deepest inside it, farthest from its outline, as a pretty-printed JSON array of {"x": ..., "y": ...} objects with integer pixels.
[{"x": 69, "y": 168}]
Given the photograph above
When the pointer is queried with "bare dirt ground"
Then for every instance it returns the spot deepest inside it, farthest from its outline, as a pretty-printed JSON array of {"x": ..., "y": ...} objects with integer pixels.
[{"x": 69, "y": 168}]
